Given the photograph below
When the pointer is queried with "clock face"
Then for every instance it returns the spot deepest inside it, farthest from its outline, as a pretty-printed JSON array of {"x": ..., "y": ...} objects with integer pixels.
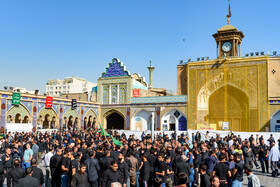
[{"x": 227, "y": 46}]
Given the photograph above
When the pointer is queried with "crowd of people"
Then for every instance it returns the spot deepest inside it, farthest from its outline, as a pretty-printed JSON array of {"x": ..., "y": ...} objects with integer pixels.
[{"x": 89, "y": 158}]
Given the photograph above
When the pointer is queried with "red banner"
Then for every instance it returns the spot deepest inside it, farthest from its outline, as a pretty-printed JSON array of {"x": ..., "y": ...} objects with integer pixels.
[
  {"x": 135, "y": 93},
  {"x": 49, "y": 102}
]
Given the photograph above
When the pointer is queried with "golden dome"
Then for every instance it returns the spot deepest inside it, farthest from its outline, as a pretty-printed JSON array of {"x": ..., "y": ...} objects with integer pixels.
[{"x": 227, "y": 28}]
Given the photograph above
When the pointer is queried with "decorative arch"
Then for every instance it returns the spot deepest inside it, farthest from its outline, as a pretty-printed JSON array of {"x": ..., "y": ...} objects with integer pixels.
[
  {"x": 71, "y": 112},
  {"x": 109, "y": 113},
  {"x": 20, "y": 109},
  {"x": 70, "y": 117},
  {"x": 141, "y": 120},
  {"x": 219, "y": 81},
  {"x": 90, "y": 119},
  {"x": 47, "y": 118},
  {"x": 275, "y": 122},
  {"x": 90, "y": 112},
  {"x": 230, "y": 104},
  {"x": 172, "y": 120}
]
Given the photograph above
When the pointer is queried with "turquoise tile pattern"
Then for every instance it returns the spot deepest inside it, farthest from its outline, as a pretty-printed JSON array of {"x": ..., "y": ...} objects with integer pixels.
[{"x": 160, "y": 99}]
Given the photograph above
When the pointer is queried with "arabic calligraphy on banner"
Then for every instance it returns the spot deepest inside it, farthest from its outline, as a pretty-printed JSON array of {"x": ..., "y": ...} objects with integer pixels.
[{"x": 211, "y": 127}]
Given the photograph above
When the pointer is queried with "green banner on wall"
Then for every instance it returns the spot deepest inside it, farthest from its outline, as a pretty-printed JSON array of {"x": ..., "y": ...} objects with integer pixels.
[{"x": 16, "y": 98}]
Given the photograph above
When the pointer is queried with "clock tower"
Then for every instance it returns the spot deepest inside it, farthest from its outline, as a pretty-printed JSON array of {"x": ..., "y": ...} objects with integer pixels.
[{"x": 228, "y": 40}]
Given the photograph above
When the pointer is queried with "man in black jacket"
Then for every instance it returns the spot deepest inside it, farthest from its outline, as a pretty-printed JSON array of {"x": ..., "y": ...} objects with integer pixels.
[
  {"x": 7, "y": 161},
  {"x": 80, "y": 179},
  {"x": 28, "y": 181},
  {"x": 41, "y": 145},
  {"x": 263, "y": 153},
  {"x": 123, "y": 169},
  {"x": 55, "y": 165},
  {"x": 111, "y": 175},
  {"x": 105, "y": 161},
  {"x": 37, "y": 172},
  {"x": 15, "y": 174},
  {"x": 92, "y": 169},
  {"x": 204, "y": 179},
  {"x": 182, "y": 167}
]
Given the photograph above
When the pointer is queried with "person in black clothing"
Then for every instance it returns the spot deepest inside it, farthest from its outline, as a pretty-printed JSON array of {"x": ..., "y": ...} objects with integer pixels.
[
  {"x": 204, "y": 178},
  {"x": 255, "y": 153},
  {"x": 170, "y": 152},
  {"x": 55, "y": 165},
  {"x": 197, "y": 162},
  {"x": 161, "y": 173},
  {"x": 17, "y": 152},
  {"x": 263, "y": 153},
  {"x": 152, "y": 162},
  {"x": 111, "y": 175},
  {"x": 99, "y": 153},
  {"x": 106, "y": 161},
  {"x": 74, "y": 163},
  {"x": 183, "y": 179},
  {"x": 80, "y": 179},
  {"x": 37, "y": 172},
  {"x": 123, "y": 169},
  {"x": 182, "y": 166},
  {"x": 15, "y": 174},
  {"x": 41, "y": 150},
  {"x": 169, "y": 172},
  {"x": 222, "y": 170},
  {"x": 7, "y": 161},
  {"x": 28, "y": 181},
  {"x": 66, "y": 168},
  {"x": 92, "y": 169},
  {"x": 144, "y": 171},
  {"x": 238, "y": 171}
]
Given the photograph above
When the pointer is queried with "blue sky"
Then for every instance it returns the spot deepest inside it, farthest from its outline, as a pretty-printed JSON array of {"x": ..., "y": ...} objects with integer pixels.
[{"x": 47, "y": 39}]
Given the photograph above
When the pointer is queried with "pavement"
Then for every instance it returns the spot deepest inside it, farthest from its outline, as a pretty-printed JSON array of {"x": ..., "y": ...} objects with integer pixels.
[{"x": 266, "y": 179}]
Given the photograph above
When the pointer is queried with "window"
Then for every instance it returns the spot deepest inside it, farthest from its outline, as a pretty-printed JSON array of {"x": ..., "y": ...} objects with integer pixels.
[
  {"x": 114, "y": 94},
  {"x": 64, "y": 87},
  {"x": 277, "y": 121},
  {"x": 56, "y": 88},
  {"x": 59, "y": 87}
]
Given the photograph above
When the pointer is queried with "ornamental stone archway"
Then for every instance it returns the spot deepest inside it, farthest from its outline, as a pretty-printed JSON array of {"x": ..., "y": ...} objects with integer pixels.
[
  {"x": 111, "y": 115},
  {"x": 90, "y": 119},
  {"x": 17, "y": 114},
  {"x": 228, "y": 83},
  {"x": 47, "y": 118},
  {"x": 71, "y": 119}
]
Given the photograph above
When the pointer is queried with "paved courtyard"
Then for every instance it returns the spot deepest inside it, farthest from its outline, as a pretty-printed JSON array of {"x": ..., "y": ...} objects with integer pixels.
[{"x": 265, "y": 178}]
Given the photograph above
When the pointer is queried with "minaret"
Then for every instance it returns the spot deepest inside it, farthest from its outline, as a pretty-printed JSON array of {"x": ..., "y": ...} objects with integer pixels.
[{"x": 151, "y": 69}]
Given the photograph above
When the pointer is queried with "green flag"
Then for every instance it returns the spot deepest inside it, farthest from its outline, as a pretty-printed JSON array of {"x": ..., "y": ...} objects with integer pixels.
[
  {"x": 116, "y": 142},
  {"x": 102, "y": 130}
]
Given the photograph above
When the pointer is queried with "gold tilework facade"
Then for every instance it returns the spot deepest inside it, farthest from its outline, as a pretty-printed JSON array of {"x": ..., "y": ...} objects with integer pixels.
[{"x": 231, "y": 88}]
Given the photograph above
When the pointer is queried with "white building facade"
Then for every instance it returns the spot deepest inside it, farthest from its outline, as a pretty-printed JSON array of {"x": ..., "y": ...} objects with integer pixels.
[{"x": 56, "y": 87}]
